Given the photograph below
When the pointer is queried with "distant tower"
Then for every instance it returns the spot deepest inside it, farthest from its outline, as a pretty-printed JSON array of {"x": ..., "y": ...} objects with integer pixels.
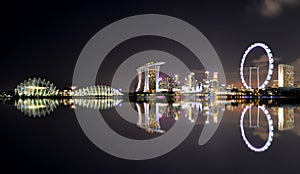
[
  {"x": 207, "y": 76},
  {"x": 285, "y": 75},
  {"x": 176, "y": 78},
  {"x": 215, "y": 82},
  {"x": 275, "y": 84},
  {"x": 191, "y": 81},
  {"x": 215, "y": 76}
]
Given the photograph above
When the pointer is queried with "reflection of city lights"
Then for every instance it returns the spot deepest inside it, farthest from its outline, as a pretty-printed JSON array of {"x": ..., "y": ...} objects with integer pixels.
[
  {"x": 97, "y": 104},
  {"x": 35, "y": 106},
  {"x": 270, "y": 135}
]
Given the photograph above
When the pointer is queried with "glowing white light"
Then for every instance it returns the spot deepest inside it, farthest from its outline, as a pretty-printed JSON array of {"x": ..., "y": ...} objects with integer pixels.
[
  {"x": 36, "y": 107},
  {"x": 270, "y": 136},
  {"x": 35, "y": 87},
  {"x": 271, "y": 66}
]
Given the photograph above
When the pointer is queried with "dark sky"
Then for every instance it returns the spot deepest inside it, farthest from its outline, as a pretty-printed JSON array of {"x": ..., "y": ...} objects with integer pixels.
[{"x": 44, "y": 39}]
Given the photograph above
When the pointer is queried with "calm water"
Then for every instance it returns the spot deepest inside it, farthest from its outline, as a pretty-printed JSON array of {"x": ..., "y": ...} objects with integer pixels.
[{"x": 44, "y": 136}]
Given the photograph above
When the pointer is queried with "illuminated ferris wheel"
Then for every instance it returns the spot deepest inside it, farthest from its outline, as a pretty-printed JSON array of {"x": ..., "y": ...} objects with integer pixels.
[{"x": 270, "y": 69}]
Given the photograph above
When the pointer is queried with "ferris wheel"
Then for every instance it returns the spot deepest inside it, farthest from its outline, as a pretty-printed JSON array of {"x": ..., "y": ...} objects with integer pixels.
[{"x": 270, "y": 68}]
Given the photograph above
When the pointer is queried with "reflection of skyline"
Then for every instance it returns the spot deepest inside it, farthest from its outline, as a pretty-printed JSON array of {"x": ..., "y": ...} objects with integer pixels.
[
  {"x": 150, "y": 113},
  {"x": 285, "y": 121},
  {"x": 96, "y": 104},
  {"x": 258, "y": 124},
  {"x": 285, "y": 118},
  {"x": 37, "y": 107}
]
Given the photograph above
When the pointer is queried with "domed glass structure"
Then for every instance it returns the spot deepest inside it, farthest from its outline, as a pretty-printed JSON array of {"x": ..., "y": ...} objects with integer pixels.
[{"x": 36, "y": 88}]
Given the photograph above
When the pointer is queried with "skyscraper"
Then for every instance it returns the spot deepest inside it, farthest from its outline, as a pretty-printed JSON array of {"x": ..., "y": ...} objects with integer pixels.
[
  {"x": 176, "y": 78},
  {"x": 215, "y": 83},
  {"x": 148, "y": 77},
  {"x": 285, "y": 75}
]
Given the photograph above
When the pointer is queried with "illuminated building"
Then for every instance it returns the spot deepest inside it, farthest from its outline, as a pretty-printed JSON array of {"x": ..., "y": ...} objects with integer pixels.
[
  {"x": 36, "y": 88},
  {"x": 275, "y": 84},
  {"x": 96, "y": 91},
  {"x": 207, "y": 76},
  {"x": 190, "y": 83},
  {"x": 206, "y": 82},
  {"x": 215, "y": 76},
  {"x": 297, "y": 84},
  {"x": 176, "y": 78},
  {"x": 285, "y": 75},
  {"x": 215, "y": 83},
  {"x": 166, "y": 84},
  {"x": 148, "y": 77}
]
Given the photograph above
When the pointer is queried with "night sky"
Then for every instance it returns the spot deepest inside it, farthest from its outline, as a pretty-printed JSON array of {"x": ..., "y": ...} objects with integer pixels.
[{"x": 44, "y": 39}]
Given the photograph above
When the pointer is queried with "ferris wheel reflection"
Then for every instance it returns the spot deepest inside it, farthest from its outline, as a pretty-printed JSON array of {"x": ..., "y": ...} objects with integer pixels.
[{"x": 257, "y": 125}]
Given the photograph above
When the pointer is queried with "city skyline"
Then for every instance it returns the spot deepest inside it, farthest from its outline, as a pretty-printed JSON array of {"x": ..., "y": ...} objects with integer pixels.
[{"x": 138, "y": 86}]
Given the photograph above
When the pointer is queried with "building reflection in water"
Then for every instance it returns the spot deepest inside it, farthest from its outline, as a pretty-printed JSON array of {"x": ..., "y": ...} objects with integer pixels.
[
  {"x": 285, "y": 114},
  {"x": 36, "y": 107},
  {"x": 148, "y": 119},
  {"x": 42, "y": 107},
  {"x": 150, "y": 113},
  {"x": 96, "y": 104},
  {"x": 255, "y": 115},
  {"x": 285, "y": 117}
]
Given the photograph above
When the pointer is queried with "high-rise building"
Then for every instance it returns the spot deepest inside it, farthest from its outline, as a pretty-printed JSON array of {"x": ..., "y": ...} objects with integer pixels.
[
  {"x": 148, "y": 77},
  {"x": 176, "y": 78},
  {"x": 216, "y": 76},
  {"x": 285, "y": 75},
  {"x": 207, "y": 76},
  {"x": 215, "y": 83},
  {"x": 297, "y": 84},
  {"x": 190, "y": 80},
  {"x": 275, "y": 84}
]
